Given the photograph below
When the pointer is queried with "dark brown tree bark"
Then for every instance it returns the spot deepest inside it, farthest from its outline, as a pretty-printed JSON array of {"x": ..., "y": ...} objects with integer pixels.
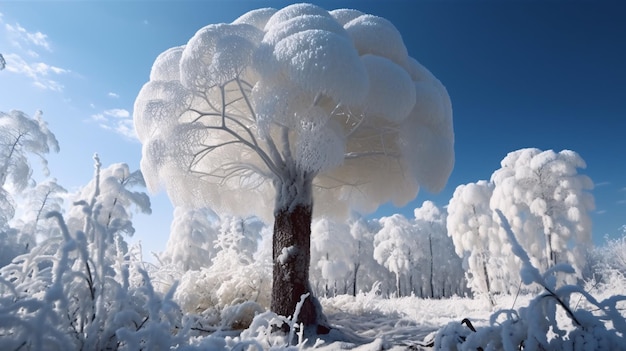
[{"x": 291, "y": 256}]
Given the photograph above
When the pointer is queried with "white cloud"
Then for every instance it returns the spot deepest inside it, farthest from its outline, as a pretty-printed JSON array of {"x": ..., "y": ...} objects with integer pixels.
[
  {"x": 41, "y": 73},
  {"x": 117, "y": 120},
  {"x": 599, "y": 184},
  {"x": 126, "y": 128},
  {"x": 113, "y": 95},
  {"x": 19, "y": 35},
  {"x": 117, "y": 113},
  {"x": 98, "y": 117}
]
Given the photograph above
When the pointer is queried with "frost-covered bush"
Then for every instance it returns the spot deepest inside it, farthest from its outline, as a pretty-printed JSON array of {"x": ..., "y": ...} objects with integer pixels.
[
  {"x": 81, "y": 290},
  {"x": 592, "y": 324}
]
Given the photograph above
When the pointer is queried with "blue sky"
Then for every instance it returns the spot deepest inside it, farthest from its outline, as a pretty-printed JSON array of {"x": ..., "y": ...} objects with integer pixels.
[{"x": 520, "y": 74}]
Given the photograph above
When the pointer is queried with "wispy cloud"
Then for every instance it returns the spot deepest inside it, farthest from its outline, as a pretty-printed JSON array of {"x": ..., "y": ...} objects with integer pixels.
[
  {"x": 117, "y": 120},
  {"x": 113, "y": 95},
  {"x": 599, "y": 184},
  {"x": 43, "y": 75},
  {"x": 600, "y": 212},
  {"x": 25, "y": 58},
  {"x": 19, "y": 36}
]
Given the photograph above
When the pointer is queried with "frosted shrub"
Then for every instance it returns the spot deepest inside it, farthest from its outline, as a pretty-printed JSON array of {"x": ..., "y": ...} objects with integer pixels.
[
  {"x": 81, "y": 290},
  {"x": 591, "y": 325},
  {"x": 216, "y": 288}
]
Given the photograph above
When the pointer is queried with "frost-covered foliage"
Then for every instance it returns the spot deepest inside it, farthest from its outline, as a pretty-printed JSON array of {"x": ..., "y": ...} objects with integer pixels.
[
  {"x": 235, "y": 273},
  {"x": 367, "y": 271},
  {"x": 490, "y": 266},
  {"x": 593, "y": 324},
  {"x": 21, "y": 137},
  {"x": 548, "y": 203},
  {"x": 607, "y": 263},
  {"x": 80, "y": 290},
  {"x": 191, "y": 243},
  {"x": 284, "y": 106},
  {"x": 419, "y": 253},
  {"x": 34, "y": 203},
  {"x": 279, "y": 97},
  {"x": 441, "y": 270},
  {"x": 332, "y": 261},
  {"x": 110, "y": 196},
  {"x": 395, "y": 247}
]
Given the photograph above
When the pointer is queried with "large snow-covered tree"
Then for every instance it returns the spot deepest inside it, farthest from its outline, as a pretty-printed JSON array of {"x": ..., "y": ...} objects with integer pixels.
[
  {"x": 547, "y": 202},
  {"x": 287, "y": 106}
]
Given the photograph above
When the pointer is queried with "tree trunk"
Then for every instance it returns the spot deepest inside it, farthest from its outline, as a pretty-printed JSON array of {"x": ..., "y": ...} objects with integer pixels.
[
  {"x": 356, "y": 271},
  {"x": 432, "y": 285},
  {"x": 291, "y": 256},
  {"x": 489, "y": 295}
]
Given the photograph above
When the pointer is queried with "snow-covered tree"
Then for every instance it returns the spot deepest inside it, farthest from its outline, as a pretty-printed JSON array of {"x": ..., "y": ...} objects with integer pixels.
[
  {"x": 367, "y": 271},
  {"x": 471, "y": 225},
  {"x": 331, "y": 254},
  {"x": 287, "y": 106},
  {"x": 36, "y": 202},
  {"x": 430, "y": 225},
  {"x": 547, "y": 202},
  {"x": 191, "y": 244},
  {"x": 111, "y": 195},
  {"x": 21, "y": 137},
  {"x": 396, "y": 248}
]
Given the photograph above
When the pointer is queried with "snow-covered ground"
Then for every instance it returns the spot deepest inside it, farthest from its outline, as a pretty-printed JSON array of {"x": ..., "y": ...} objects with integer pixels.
[{"x": 369, "y": 322}]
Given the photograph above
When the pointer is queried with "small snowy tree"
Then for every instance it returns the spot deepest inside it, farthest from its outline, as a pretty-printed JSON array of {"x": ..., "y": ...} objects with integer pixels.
[
  {"x": 21, "y": 137},
  {"x": 475, "y": 235},
  {"x": 548, "y": 204},
  {"x": 289, "y": 105},
  {"x": 35, "y": 203},
  {"x": 191, "y": 244},
  {"x": 331, "y": 250},
  {"x": 367, "y": 271},
  {"x": 396, "y": 248},
  {"x": 430, "y": 224}
]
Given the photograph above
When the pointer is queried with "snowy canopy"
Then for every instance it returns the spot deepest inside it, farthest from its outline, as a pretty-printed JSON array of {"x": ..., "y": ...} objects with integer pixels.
[
  {"x": 301, "y": 90},
  {"x": 547, "y": 200}
]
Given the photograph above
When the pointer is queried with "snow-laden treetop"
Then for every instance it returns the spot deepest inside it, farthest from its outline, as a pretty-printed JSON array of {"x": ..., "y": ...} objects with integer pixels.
[{"x": 290, "y": 94}]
